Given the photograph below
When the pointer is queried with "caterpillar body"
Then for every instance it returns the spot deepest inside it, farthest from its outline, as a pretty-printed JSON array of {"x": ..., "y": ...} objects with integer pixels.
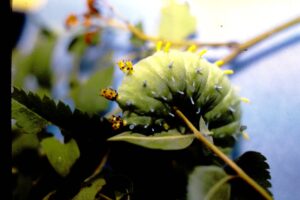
[{"x": 195, "y": 86}]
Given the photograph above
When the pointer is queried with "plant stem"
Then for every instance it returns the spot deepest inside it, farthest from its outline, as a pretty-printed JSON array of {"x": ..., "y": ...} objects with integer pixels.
[
  {"x": 224, "y": 157},
  {"x": 253, "y": 41},
  {"x": 104, "y": 196},
  {"x": 141, "y": 35}
]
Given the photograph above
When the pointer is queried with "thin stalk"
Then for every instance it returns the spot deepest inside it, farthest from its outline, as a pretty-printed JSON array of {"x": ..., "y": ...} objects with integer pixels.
[
  {"x": 141, "y": 35},
  {"x": 224, "y": 157},
  {"x": 104, "y": 196},
  {"x": 253, "y": 41}
]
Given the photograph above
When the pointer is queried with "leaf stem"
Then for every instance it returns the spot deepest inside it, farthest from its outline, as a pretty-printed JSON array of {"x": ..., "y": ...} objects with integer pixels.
[
  {"x": 224, "y": 157},
  {"x": 239, "y": 48},
  {"x": 104, "y": 196},
  {"x": 217, "y": 186}
]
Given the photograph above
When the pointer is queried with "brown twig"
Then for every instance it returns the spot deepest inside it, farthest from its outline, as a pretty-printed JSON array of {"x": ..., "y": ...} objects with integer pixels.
[
  {"x": 253, "y": 41},
  {"x": 141, "y": 35},
  {"x": 225, "y": 158}
]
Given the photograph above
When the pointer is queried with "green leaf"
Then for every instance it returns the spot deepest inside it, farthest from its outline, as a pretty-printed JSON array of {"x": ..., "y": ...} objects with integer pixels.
[
  {"x": 61, "y": 156},
  {"x": 176, "y": 22},
  {"x": 89, "y": 192},
  {"x": 37, "y": 62},
  {"x": 42, "y": 58},
  {"x": 78, "y": 46},
  {"x": 171, "y": 140},
  {"x": 27, "y": 121},
  {"x": 86, "y": 96},
  {"x": 59, "y": 114},
  {"x": 208, "y": 183},
  {"x": 24, "y": 141},
  {"x": 255, "y": 165},
  {"x": 21, "y": 65}
]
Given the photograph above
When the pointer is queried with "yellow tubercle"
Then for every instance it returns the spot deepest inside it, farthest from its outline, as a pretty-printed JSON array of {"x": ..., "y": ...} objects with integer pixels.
[
  {"x": 192, "y": 48},
  {"x": 202, "y": 52},
  {"x": 126, "y": 66},
  {"x": 228, "y": 72},
  {"x": 117, "y": 122},
  {"x": 109, "y": 94},
  {"x": 167, "y": 47},
  {"x": 159, "y": 45},
  {"x": 219, "y": 63},
  {"x": 121, "y": 65},
  {"x": 245, "y": 100},
  {"x": 166, "y": 126},
  {"x": 129, "y": 66},
  {"x": 245, "y": 135}
]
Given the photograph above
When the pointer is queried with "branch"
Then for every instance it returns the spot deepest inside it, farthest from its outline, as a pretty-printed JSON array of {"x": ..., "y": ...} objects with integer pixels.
[
  {"x": 141, "y": 35},
  {"x": 253, "y": 41},
  {"x": 227, "y": 160}
]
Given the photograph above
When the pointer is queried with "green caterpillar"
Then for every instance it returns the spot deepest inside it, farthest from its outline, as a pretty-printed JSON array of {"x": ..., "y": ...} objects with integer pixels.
[{"x": 154, "y": 85}]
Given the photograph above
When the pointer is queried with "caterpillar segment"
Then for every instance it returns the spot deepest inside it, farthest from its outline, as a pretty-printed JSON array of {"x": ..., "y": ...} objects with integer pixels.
[{"x": 186, "y": 80}]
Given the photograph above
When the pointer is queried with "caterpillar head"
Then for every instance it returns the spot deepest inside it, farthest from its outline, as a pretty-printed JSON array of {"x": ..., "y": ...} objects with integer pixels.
[{"x": 186, "y": 80}]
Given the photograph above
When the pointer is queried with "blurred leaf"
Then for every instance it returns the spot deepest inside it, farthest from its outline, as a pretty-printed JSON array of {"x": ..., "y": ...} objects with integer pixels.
[
  {"x": 21, "y": 67},
  {"x": 92, "y": 38},
  {"x": 134, "y": 39},
  {"x": 176, "y": 21},
  {"x": 208, "y": 183},
  {"x": 61, "y": 156},
  {"x": 73, "y": 45},
  {"x": 86, "y": 96},
  {"x": 255, "y": 165},
  {"x": 78, "y": 45},
  {"x": 27, "y": 121},
  {"x": 171, "y": 140},
  {"x": 24, "y": 141},
  {"x": 42, "y": 57},
  {"x": 89, "y": 192},
  {"x": 37, "y": 62}
]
